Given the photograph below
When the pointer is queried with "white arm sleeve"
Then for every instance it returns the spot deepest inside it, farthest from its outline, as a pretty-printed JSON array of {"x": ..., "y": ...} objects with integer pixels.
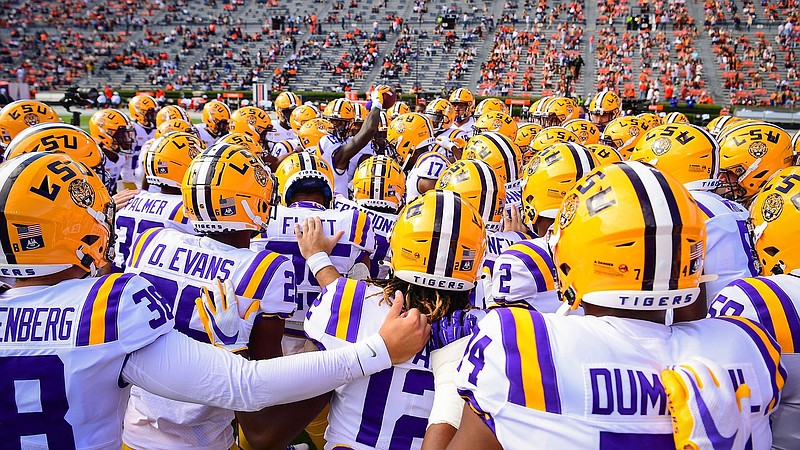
[{"x": 179, "y": 368}]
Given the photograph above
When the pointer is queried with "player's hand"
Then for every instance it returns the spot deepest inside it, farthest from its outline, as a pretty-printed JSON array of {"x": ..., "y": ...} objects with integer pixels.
[
  {"x": 383, "y": 96},
  {"x": 122, "y": 198},
  {"x": 405, "y": 333},
  {"x": 311, "y": 238},
  {"x": 513, "y": 221},
  {"x": 219, "y": 312},
  {"x": 704, "y": 406}
]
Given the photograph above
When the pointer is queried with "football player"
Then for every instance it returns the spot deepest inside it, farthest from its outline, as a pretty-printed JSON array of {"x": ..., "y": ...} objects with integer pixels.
[
  {"x": 437, "y": 244},
  {"x": 21, "y": 114},
  {"x": 691, "y": 156},
  {"x": 142, "y": 110},
  {"x": 66, "y": 366},
  {"x": 749, "y": 154},
  {"x": 255, "y": 123},
  {"x": 116, "y": 137},
  {"x": 411, "y": 140},
  {"x": 343, "y": 152},
  {"x": 306, "y": 191},
  {"x": 165, "y": 165},
  {"x": 450, "y": 140},
  {"x": 586, "y": 131},
  {"x": 521, "y": 387},
  {"x": 379, "y": 188},
  {"x": 228, "y": 194},
  {"x": 603, "y": 108},
  {"x": 772, "y": 299},
  {"x": 216, "y": 122},
  {"x": 496, "y": 121},
  {"x": 525, "y": 135},
  {"x": 464, "y": 105},
  {"x": 623, "y": 133},
  {"x": 555, "y": 111},
  {"x": 675, "y": 117},
  {"x": 489, "y": 104},
  {"x": 285, "y": 104}
]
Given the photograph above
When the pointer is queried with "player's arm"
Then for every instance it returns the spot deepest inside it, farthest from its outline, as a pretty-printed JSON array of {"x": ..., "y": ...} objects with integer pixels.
[
  {"x": 425, "y": 184},
  {"x": 472, "y": 434},
  {"x": 177, "y": 367},
  {"x": 276, "y": 426},
  {"x": 316, "y": 247},
  {"x": 341, "y": 159}
]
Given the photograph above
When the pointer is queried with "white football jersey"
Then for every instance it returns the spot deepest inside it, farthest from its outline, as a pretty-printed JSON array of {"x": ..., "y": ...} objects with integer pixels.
[
  {"x": 357, "y": 241},
  {"x": 729, "y": 244},
  {"x": 429, "y": 166},
  {"x": 61, "y": 355},
  {"x": 774, "y": 302},
  {"x": 205, "y": 136},
  {"x": 524, "y": 275},
  {"x": 389, "y": 409},
  {"x": 326, "y": 149},
  {"x": 466, "y": 127},
  {"x": 514, "y": 195},
  {"x": 138, "y": 171},
  {"x": 280, "y": 134},
  {"x": 593, "y": 382},
  {"x": 132, "y": 172},
  {"x": 451, "y": 134},
  {"x": 179, "y": 266},
  {"x": 382, "y": 224},
  {"x": 145, "y": 211},
  {"x": 115, "y": 168},
  {"x": 284, "y": 147}
]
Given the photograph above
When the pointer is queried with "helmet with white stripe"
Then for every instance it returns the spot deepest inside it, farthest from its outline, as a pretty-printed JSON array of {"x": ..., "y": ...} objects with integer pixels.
[
  {"x": 226, "y": 189},
  {"x": 379, "y": 183},
  {"x": 628, "y": 236},
  {"x": 438, "y": 242},
  {"x": 500, "y": 152},
  {"x": 304, "y": 171},
  {"x": 479, "y": 185}
]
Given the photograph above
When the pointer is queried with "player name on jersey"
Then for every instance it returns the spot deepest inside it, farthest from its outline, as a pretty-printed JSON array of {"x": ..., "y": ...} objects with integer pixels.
[
  {"x": 190, "y": 262},
  {"x": 36, "y": 324}
]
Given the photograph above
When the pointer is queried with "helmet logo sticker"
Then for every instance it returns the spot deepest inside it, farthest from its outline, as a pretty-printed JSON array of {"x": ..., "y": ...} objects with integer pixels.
[
  {"x": 30, "y": 236},
  {"x": 227, "y": 206},
  {"x": 81, "y": 193},
  {"x": 31, "y": 119},
  {"x": 661, "y": 146},
  {"x": 757, "y": 149},
  {"x": 568, "y": 210},
  {"x": 772, "y": 207},
  {"x": 260, "y": 174}
]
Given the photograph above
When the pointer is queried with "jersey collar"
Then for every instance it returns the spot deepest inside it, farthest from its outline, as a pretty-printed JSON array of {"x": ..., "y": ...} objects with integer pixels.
[{"x": 307, "y": 205}]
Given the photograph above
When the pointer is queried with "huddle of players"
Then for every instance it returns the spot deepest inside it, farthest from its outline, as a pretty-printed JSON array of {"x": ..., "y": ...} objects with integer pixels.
[{"x": 367, "y": 202}]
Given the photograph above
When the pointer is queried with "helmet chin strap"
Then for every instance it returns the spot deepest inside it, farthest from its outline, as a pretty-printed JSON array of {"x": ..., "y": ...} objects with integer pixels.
[{"x": 256, "y": 220}]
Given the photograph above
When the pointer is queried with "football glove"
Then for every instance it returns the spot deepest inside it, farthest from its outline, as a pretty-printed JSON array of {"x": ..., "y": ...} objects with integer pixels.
[
  {"x": 219, "y": 313},
  {"x": 382, "y": 97},
  {"x": 707, "y": 412}
]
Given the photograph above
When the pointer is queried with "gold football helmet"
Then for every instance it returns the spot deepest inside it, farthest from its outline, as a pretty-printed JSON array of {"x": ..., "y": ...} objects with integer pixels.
[
  {"x": 552, "y": 135},
  {"x": 462, "y": 98},
  {"x": 604, "y": 154},
  {"x": 548, "y": 177},
  {"x": 253, "y": 122},
  {"x": 60, "y": 138},
  {"x": 675, "y": 117},
  {"x": 142, "y": 109},
  {"x": 301, "y": 115},
  {"x": 438, "y": 242},
  {"x": 379, "y": 182},
  {"x": 776, "y": 213},
  {"x": 796, "y": 149},
  {"x": 171, "y": 126},
  {"x": 312, "y": 131},
  {"x": 303, "y": 171},
  {"x": 398, "y": 109},
  {"x": 686, "y": 152},
  {"x": 586, "y": 131},
  {"x": 285, "y": 105},
  {"x": 603, "y": 108},
  {"x": 497, "y": 121},
  {"x": 171, "y": 112},
  {"x": 113, "y": 131},
  {"x": 360, "y": 113},
  {"x": 555, "y": 111},
  {"x": 21, "y": 114},
  {"x": 479, "y": 185},
  {"x": 341, "y": 114},
  {"x": 167, "y": 159},
  {"x": 217, "y": 117},
  {"x": 490, "y": 104},
  {"x": 409, "y": 134},
  {"x": 650, "y": 120},
  {"x": 622, "y": 134},
  {"x": 612, "y": 250},
  {"x": 749, "y": 155},
  {"x": 57, "y": 214},
  {"x": 226, "y": 188},
  {"x": 441, "y": 113},
  {"x": 500, "y": 152},
  {"x": 245, "y": 141},
  {"x": 525, "y": 135},
  {"x": 719, "y": 123}
]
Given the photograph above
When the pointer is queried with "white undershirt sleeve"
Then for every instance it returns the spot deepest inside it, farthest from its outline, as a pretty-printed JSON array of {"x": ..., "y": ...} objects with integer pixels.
[{"x": 177, "y": 367}]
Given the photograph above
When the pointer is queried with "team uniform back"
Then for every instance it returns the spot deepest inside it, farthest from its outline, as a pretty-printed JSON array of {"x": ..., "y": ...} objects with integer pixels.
[
  {"x": 179, "y": 265},
  {"x": 729, "y": 249},
  {"x": 145, "y": 211},
  {"x": 496, "y": 243},
  {"x": 523, "y": 276},
  {"x": 65, "y": 343},
  {"x": 514, "y": 194},
  {"x": 389, "y": 409},
  {"x": 429, "y": 166},
  {"x": 593, "y": 382},
  {"x": 358, "y": 239},
  {"x": 382, "y": 224},
  {"x": 773, "y": 302}
]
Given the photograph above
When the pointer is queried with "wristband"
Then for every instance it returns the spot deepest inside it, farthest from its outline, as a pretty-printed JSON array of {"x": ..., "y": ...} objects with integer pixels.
[
  {"x": 374, "y": 104},
  {"x": 318, "y": 261}
]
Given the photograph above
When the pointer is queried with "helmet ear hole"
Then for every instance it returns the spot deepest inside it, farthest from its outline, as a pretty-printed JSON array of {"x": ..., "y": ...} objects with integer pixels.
[
  {"x": 771, "y": 251},
  {"x": 564, "y": 267},
  {"x": 90, "y": 239}
]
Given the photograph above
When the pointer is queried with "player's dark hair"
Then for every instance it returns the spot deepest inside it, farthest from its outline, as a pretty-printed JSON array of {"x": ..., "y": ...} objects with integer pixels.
[{"x": 434, "y": 303}]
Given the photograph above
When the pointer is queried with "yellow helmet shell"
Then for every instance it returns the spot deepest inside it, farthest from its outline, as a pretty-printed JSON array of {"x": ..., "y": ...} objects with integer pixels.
[
  {"x": 776, "y": 213},
  {"x": 586, "y": 131},
  {"x": 379, "y": 182},
  {"x": 253, "y": 122},
  {"x": 604, "y": 154},
  {"x": 21, "y": 114},
  {"x": 490, "y": 104},
  {"x": 301, "y": 166},
  {"x": 312, "y": 131},
  {"x": 60, "y": 138},
  {"x": 301, "y": 115},
  {"x": 285, "y": 104},
  {"x": 438, "y": 242},
  {"x": 479, "y": 185},
  {"x": 168, "y": 157},
  {"x": 112, "y": 131},
  {"x": 171, "y": 112},
  {"x": 142, "y": 109},
  {"x": 497, "y": 121},
  {"x": 622, "y": 134},
  {"x": 216, "y": 116},
  {"x": 500, "y": 152},
  {"x": 408, "y": 134},
  {"x": 441, "y": 113},
  {"x": 552, "y": 135}
]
